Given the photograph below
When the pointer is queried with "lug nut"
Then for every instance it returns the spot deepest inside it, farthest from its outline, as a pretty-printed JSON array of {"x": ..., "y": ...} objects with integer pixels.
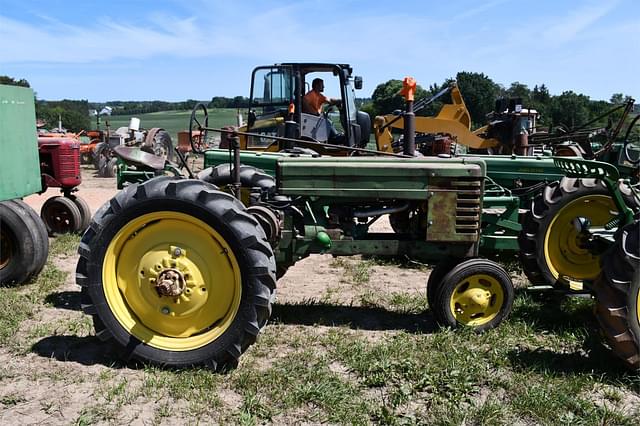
[{"x": 177, "y": 252}]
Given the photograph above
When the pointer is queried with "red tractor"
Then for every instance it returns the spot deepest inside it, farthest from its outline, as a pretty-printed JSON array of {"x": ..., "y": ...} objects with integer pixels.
[{"x": 60, "y": 168}]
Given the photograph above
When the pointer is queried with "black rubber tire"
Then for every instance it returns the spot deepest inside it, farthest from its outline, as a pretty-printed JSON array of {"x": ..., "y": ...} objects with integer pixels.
[
  {"x": 435, "y": 278},
  {"x": 400, "y": 222},
  {"x": 85, "y": 212},
  {"x": 250, "y": 177},
  {"x": 98, "y": 154},
  {"x": 537, "y": 220},
  {"x": 42, "y": 240},
  {"x": 617, "y": 293},
  {"x": 23, "y": 233},
  {"x": 61, "y": 215},
  {"x": 107, "y": 168},
  {"x": 223, "y": 213},
  {"x": 162, "y": 145},
  {"x": 461, "y": 272}
]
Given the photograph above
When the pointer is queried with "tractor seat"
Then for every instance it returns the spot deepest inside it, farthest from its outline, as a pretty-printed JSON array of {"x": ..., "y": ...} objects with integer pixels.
[{"x": 137, "y": 157}]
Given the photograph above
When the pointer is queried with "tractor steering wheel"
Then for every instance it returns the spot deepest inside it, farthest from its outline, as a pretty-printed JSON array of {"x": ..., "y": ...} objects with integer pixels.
[{"x": 199, "y": 122}]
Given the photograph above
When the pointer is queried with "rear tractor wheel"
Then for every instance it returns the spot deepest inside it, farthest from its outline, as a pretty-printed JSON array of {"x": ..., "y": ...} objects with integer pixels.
[
  {"x": 162, "y": 145},
  {"x": 177, "y": 273},
  {"x": 551, "y": 249},
  {"x": 476, "y": 293},
  {"x": 617, "y": 293}
]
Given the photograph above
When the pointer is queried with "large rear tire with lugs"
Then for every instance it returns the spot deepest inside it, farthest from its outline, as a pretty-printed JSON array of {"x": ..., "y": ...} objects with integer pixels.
[
  {"x": 550, "y": 246},
  {"x": 617, "y": 293},
  {"x": 176, "y": 273}
]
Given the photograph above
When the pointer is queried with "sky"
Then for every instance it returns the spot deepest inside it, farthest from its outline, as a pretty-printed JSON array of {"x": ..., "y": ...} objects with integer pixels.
[{"x": 196, "y": 49}]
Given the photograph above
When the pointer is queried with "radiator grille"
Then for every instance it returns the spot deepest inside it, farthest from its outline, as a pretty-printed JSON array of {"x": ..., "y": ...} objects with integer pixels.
[
  {"x": 69, "y": 163},
  {"x": 468, "y": 203}
]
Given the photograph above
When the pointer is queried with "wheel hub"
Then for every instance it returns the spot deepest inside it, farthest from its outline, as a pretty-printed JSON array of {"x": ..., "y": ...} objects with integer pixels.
[
  {"x": 475, "y": 299},
  {"x": 170, "y": 283}
]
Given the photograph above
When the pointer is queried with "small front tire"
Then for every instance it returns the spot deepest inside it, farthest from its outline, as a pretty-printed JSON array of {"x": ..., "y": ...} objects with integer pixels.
[
  {"x": 61, "y": 215},
  {"x": 476, "y": 293}
]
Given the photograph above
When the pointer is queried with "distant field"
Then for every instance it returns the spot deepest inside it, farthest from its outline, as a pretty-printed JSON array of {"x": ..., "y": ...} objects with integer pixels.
[{"x": 175, "y": 121}]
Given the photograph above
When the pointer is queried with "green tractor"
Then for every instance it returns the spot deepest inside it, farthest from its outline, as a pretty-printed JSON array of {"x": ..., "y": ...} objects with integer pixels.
[{"x": 181, "y": 270}]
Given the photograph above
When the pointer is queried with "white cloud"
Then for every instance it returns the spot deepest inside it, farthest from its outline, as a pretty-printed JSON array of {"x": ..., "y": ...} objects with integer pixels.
[{"x": 577, "y": 21}]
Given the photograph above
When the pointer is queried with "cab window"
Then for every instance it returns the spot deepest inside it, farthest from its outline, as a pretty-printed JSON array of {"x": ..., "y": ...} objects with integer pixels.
[{"x": 272, "y": 88}]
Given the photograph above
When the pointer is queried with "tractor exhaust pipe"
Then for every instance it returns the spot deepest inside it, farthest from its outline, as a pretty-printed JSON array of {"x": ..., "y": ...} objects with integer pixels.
[{"x": 408, "y": 91}]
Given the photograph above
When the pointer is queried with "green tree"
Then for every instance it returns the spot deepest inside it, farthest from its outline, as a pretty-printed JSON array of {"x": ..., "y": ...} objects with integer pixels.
[
  {"x": 541, "y": 94},
  {"x": 10, "y": 81},
  {"x": 519, "y": 90},
  {"x": 218, "y": 102},
  {"x": 386, "y": 98},
  {"x": 570, "y": 109},
  {"x": 617, "y": 98},
  {"x": 541, "y": 102},
  {"x": 480, "y": 93},
  {"x": 73, "y": 114}
]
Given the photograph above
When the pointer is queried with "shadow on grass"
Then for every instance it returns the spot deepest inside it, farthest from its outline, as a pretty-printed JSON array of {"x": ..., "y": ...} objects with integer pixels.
[
  {"x": 554, "y": 314},
  {"x": 356, "y": 317},
  {"x": 64, "y": 300},
  {"x": 593, "y": 359},
  {"x": 88, "y": 350}
]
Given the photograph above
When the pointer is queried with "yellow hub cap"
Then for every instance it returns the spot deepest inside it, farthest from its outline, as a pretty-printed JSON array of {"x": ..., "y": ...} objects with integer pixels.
[
  {"x": 476, "y": 300},
  {"x": 171, "y": 281},
  {"x": 562, "y": 249},
  {"x": 6, "y": 248}
]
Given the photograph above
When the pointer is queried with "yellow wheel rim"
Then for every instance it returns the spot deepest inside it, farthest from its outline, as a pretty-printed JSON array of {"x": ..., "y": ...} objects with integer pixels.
[
  {"x": 155, "y": 249},
  {"x": 562, "y": 247},
  {"x": 6, "y": 248},
  {"x": 476, "y": 300}
]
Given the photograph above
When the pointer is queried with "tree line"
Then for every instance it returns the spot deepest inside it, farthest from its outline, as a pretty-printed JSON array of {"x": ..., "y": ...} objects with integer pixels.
[
  {"x": 478, "y": 90},
  {"x": 145, "y": 107}
]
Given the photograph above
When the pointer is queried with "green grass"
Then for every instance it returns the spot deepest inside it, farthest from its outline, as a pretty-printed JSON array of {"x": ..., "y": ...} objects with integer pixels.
[
  {"x": 176, "y": 121},
  {"x": 357, "y": 272},
  {"x": 64, "y": 245},
  {"x": 18, "y": 303}
]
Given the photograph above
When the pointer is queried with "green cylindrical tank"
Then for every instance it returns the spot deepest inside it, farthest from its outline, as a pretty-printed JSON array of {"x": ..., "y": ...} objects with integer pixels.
[{"x": 19, "y": 163}]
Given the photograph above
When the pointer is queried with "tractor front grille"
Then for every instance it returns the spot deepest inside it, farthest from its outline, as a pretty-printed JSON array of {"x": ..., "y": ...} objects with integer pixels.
[
  {"x": 468, "y": 211},
  {"x": 454, "y": 209}
]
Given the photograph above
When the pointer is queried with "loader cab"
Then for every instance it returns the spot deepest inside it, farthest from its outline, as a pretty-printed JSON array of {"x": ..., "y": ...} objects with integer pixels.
[{"x": 276, "y": 87}]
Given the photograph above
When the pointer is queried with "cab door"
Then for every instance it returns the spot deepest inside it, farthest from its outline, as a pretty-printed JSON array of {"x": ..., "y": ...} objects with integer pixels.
[{"x": 272, "y": 90}]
